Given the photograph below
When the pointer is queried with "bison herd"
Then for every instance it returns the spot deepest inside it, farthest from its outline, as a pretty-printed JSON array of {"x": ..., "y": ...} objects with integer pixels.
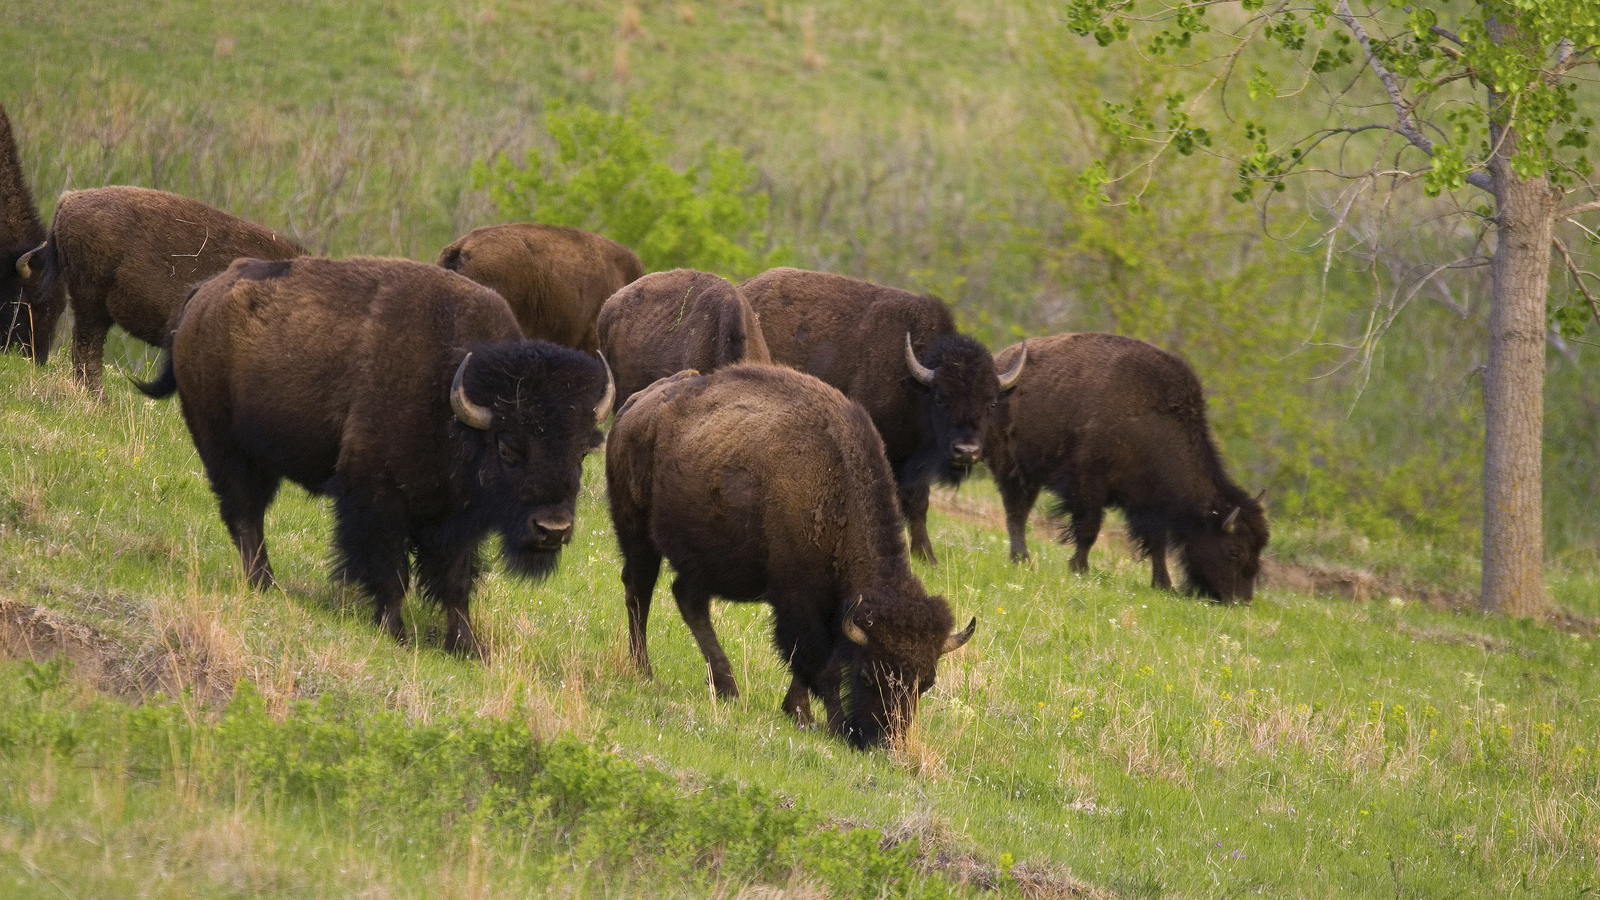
[{"x": 772, "y": 439}]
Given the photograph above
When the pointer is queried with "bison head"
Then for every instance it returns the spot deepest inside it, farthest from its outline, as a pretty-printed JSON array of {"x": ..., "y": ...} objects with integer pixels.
[
  {"x": 1223, "y": 557},
  {"x": 960, "y": 391},
  {"x": 528, "y": 413},
  {"x": 23, "y": 287},
  {"x": 895, "y": 651}
]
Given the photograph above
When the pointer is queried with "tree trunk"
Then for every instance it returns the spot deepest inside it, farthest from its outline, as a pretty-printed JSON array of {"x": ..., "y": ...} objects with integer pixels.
[{"x": 1513, "y": 392}]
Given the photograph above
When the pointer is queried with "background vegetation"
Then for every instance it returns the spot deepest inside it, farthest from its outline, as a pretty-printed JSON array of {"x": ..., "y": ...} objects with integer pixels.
[{"x": 1097, "y": 737}]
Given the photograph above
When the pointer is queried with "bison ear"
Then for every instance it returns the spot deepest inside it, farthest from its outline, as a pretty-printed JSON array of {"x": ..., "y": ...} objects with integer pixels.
[
  {"x": 1008, "y": 380},
  {"x": 1232, "y": 521},
  {"x": 470, "y": 414},
  {"x": 919, "y": 371},
  {"x": 956, "y": 640}
]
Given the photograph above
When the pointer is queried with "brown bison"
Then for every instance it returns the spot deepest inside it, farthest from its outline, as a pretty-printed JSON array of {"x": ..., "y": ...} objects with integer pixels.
[
  {"x": 129, "y": 256},
  {"x": 929, "y": 389},
  {"x": 671, "y": 321},
  {"x": 761, "y": 483},
  {"x": 404, "y": 392},
  {"x": 30, "y": 303},
  {"x": 555, "y": 278},
  {"x": 1103, "y": 420}
]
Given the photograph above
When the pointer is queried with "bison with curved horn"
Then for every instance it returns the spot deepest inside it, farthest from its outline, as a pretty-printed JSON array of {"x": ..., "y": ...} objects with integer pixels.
[
  {"x": 554, "y": 277},
  {"x": 929, "y": 389},
  {"x": 1104, "y": 420},
  {"x": 408, "y": 395},
  {"x": 761, "y": 483},
  {"x": 670, "y": 321}
]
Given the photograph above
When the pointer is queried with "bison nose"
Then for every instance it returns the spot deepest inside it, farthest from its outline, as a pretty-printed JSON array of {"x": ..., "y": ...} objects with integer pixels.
[
  {"x": 965, "y": 452},
  {"x": 550, "y": 529}
]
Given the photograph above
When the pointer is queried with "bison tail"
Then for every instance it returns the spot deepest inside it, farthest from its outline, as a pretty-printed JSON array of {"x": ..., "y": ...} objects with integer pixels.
[{"x": 164, "y": 385}]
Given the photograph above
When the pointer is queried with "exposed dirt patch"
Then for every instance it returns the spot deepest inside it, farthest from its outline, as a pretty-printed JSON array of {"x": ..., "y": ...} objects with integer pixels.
[{"x": 168, "y": 662}]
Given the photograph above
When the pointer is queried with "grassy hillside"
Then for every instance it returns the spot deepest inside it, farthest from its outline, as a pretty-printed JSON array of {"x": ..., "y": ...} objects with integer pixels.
[{"x": 1095, "y": 732}]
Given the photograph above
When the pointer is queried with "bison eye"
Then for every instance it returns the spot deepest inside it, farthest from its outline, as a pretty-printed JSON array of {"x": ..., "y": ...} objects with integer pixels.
[{"x": 508, "y": 453}]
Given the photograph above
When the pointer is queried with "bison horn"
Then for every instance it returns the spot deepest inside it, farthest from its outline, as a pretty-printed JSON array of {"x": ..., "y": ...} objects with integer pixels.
[
  {"x": 23, "y": 269},
  {"x": 1231, "y": 521},
  {"x": 920, "y": 371},
  {"x": 1008, "y": 380},
  {"x": 956, "y": 640},
  {"x": 854, "y": 632},
  {"x": 603, "y": 408},
  {"x": 470, "y": 414}
]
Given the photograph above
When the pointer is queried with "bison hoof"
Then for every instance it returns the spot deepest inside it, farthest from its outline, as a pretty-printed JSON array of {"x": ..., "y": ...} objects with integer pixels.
[{"x": 1022, "y": 557}]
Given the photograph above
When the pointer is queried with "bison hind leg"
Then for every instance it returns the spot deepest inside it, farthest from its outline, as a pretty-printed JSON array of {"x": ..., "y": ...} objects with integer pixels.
[
  {"x": 694, "y": 604},
  {"x": 244, "y": 491}
]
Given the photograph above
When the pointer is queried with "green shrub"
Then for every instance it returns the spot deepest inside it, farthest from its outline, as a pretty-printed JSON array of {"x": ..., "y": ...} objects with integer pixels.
[{"x": 610, "y": 175}]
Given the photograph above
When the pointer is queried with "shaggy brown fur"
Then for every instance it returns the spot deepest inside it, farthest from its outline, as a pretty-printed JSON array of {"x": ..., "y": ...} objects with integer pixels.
[
  {"x": 555, "y": 278},
  {"x": 670, "y": 321},
  {"x": 852, "y": 334},
  {"x": 337, "y": 374},
  {"x": 1103, "y": 420},
  {"x": 760, "y": 483},
  {"x": 24, "y": 301},
  {"x": 130, "y": 255}
]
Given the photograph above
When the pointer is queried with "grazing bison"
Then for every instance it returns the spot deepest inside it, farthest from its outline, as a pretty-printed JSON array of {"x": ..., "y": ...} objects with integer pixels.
[
  {"x": 404, "y": 392},
  {"x": 761, "y": 483},
  {"x": 30, "y": 302},
  {"x": 670, "y": 321},
  {"x": 929, "y": 389},
  {"x": 555, "y": 278},
  {"x": 1103, "y": 420},
  {"x": 129, "y": 256}
]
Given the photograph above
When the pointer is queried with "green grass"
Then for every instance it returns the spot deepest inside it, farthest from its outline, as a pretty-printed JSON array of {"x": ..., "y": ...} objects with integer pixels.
[{"x": 1147, "y": 744}]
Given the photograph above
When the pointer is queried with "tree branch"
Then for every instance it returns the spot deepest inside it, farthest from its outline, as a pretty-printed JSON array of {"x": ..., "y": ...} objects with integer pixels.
[
  {"x": 1447, "y": 35},
  {"x": 1406, "y": 126},
  {"x": 1580, "y": 209},
  {"x": 1577, "y": 279}
]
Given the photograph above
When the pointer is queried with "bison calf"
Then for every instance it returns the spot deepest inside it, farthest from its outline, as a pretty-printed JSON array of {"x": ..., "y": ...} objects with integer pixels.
[
  {"x": 130, "y": 255},
  {"x": 1102, "y": 420},
  {"x": 404, "y": 392},
  {"x": 670, "y": 321},
  {"x": 761, "y": 483},
  {"x": 555, "y": 278},
  {"x": 929, "y": 389}
]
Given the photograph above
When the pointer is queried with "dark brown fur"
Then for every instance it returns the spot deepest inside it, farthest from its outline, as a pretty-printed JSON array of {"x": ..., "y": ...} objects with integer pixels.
[
  {"x": 761, "y": 483},
  {"x": 337, "y": 376},
  {"x": 670, "y": 321},
  {"x": 852, "y": 335},
  {"x": 129, "y": 256},
  {"x": 555, "y": 278},
  {"x": 25, "y": 303},
  {"x": 1103, "y": 420}
]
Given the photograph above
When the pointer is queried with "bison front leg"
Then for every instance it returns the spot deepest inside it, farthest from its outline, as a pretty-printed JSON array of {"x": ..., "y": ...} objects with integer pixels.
[
  {"x": 90, "y": 324},
  {"x": 797, "y": 703},
  {"x": 370, "y": 539},
  {"x": 1159, "y": 578},
  {"x": 446, "y": 576},
  {"x": 914, "y": 504},
  {"x": 694, "y": 603}
]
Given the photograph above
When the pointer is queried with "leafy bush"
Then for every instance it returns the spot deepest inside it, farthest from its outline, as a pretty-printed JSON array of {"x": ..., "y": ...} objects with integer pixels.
[{"x": 610, "y": 175}]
